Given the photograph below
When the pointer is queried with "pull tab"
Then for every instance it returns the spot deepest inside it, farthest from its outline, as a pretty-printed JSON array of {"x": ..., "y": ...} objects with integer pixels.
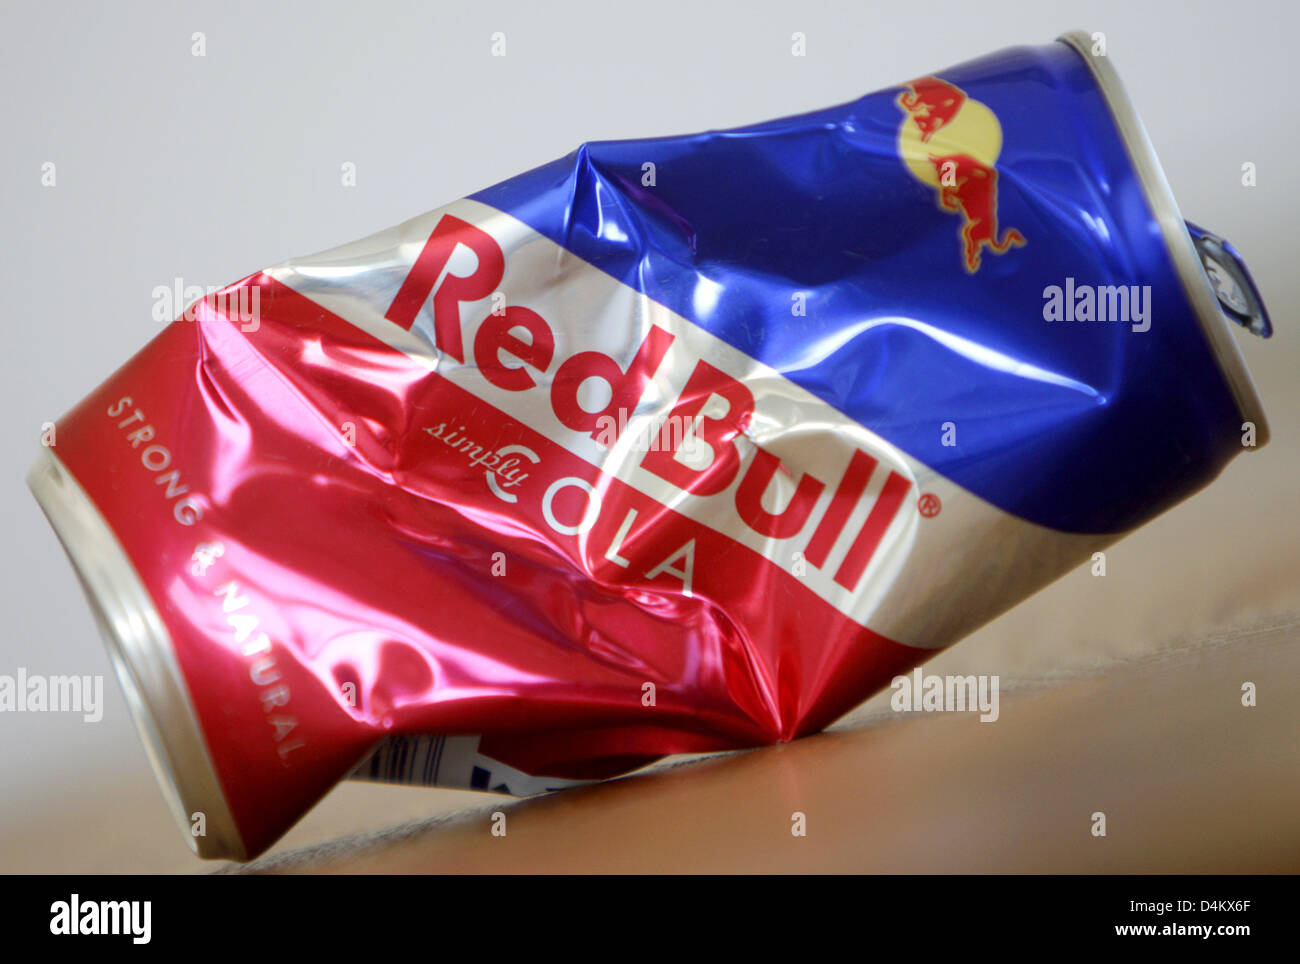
[{"x": 1237, "y": 294}]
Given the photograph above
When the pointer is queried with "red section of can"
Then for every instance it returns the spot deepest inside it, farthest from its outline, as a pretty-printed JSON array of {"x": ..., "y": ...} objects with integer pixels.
[{"x": 298, "y": 506}]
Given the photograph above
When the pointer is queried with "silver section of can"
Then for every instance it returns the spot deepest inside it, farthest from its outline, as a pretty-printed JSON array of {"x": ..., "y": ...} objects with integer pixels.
[
  {"x": 143, "y": 658},
  {"x": 1218, "y": 330}
]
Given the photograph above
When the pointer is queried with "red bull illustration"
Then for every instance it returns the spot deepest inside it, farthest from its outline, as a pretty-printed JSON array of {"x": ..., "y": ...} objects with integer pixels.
[
  {"x": 951, "y": 143},
  {"x": 931, "y": 103}
]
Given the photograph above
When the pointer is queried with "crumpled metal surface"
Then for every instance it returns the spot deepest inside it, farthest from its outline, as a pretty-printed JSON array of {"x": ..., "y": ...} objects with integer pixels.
[{"x": 602, "y": 464}]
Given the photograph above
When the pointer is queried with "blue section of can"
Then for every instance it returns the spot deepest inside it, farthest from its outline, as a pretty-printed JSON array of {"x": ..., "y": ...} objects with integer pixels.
[{"x": 810, "y": 244}]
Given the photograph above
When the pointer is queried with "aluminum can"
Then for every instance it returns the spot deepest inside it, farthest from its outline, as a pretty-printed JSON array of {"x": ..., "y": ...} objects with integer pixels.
[{"x": 674, "y": 445}]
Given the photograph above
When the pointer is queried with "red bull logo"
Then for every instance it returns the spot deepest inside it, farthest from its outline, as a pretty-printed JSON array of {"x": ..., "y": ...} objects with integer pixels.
[{"x": 951, "y": 143}]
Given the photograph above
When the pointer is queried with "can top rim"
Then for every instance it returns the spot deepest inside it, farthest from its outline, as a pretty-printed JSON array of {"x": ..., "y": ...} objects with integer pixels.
[{"x": 1178, "y": 241}]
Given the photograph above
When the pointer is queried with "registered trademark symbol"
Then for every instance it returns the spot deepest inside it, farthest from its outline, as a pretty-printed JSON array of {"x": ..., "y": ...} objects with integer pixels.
[{"x": 929, "y": 505}]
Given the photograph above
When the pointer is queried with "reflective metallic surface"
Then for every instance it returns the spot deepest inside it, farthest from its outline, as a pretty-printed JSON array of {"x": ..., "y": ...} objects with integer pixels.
[{"x": 612, "y": 461}]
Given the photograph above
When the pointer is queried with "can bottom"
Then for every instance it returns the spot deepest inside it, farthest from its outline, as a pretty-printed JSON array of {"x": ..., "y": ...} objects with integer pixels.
[{"x": 143, "y": 658}]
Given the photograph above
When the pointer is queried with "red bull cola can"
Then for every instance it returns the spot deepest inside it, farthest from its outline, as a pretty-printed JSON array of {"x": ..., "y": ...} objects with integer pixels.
[{"x": 672, "y": 445}]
